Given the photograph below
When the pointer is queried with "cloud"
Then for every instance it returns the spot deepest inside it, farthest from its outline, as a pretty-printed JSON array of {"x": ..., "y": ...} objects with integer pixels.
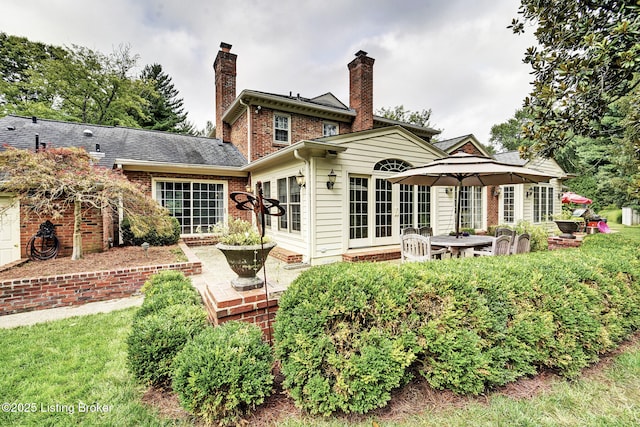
[{"x": 453, "y": 56}]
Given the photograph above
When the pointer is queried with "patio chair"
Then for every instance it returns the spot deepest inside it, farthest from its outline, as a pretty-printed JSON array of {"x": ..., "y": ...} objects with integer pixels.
[
  {"x": 414, "y": 247},
  {"x": 522, "y": 244},
  {"x": 425, "y": 231},
  {"x": 410, "y": 230},
  {"x": 504, "y": 231},
  {"x": 500, "y": 246}
]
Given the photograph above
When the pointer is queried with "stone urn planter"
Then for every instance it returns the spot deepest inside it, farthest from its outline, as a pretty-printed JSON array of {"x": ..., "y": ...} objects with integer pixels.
[
  {"x": 568, "y": 227},
  {"x": 246, "y": 261}
]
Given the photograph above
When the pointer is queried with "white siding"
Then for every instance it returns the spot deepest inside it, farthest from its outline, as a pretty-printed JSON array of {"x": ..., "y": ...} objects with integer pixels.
[{"x": 9, "y": 230}]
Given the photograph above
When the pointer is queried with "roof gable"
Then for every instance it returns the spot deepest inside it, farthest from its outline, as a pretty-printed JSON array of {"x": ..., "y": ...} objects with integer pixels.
[{"x": 450, "y": 145}]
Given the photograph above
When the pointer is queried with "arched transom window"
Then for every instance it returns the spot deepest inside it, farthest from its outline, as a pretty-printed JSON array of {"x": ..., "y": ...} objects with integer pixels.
[{"x": 392, "y": 165}]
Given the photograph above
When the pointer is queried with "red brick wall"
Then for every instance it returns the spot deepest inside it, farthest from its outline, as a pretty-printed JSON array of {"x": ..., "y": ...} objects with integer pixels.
[
  {"x": 20, "y": 295},
  {"x": 493, "y": 203},
  {"x": 94, "y": 234},
  {"x": 225, "y": 83},
  {"x": 361, "y": 91},
  {"x": 234, "y": 184},
  {"x": 469, "y": 148},
  {"x": 240, "y": 136}
]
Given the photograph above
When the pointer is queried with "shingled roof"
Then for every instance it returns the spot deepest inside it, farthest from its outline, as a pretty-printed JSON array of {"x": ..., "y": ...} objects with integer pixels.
[{"x": 119, "y": 142}]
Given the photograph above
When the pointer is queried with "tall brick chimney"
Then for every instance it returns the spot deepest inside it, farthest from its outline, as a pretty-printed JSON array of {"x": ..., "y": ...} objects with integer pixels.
[
  {"x": 361, "y": 90},
  {"x": 225, "y": 78}
]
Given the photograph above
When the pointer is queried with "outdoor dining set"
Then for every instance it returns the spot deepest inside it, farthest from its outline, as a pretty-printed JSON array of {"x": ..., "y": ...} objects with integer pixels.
[{"x": 421, "y": 245}]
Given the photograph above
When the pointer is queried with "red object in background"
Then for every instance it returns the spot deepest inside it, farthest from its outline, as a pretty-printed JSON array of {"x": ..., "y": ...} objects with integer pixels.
[{"x": 570, "y": 197}]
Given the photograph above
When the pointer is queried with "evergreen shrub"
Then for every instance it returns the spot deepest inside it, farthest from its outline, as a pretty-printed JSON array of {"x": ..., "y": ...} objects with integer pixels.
[
  {"x": 152, "y": 237},
  {"x": 155, "y": 340},
  {"x": 224, "y": 372},
  {"x": 348, "y": 334}
]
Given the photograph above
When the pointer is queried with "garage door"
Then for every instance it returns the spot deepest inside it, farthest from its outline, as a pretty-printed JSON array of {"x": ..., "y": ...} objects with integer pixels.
[{"x": 9, "y": 231}]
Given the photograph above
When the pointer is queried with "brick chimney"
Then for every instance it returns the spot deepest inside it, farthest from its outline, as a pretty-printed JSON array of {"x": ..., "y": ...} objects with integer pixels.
[
  {"x": 361, "y": 90},
  {"x": 225, "y": 78}
]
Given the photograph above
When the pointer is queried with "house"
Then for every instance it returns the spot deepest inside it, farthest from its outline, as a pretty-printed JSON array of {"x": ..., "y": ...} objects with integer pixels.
[{"x": 327, "y": 163}]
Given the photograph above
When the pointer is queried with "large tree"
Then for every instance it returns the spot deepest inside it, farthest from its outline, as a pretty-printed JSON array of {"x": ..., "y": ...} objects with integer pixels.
[
  {"x": 49, "y": 182},
  {"x": 165, "y": 109},
  {"x": 588, "y": 57},
  {"x": 509, "y": 135},
  {"x": 20, "y": 59}
]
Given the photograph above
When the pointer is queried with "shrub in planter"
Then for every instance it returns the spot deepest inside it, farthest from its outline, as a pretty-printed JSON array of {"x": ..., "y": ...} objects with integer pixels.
[
  {"x": 157, "y": 338},
  {"x": 224, "y": 372},
  {"x": 343, "y": 337},
  {"x": 152, "y": 237}
]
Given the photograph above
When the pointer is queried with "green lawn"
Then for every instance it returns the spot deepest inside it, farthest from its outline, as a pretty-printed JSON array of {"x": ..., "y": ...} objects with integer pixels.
[{"x": 57, "y": 370}]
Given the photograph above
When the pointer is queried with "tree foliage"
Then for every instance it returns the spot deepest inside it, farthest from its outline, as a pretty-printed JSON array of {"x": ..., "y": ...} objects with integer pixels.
[
  {"x": 398, "y": 113},
  {"x": 588, "y": 55},
  {"x": 586, "y": 72},
  {"x": 82, "y": 85},
  {"x": 165, "y": 109},
  {"x": 509, "y": 136},
  {"x": 49, "y": 182}
]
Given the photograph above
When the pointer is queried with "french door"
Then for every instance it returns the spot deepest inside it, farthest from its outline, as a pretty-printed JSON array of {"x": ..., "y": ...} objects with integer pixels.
[{"x": 379, "y": 210}]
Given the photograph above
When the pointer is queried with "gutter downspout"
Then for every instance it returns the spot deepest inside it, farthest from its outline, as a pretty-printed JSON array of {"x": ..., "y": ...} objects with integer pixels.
[{"x": 310, "y": 203}]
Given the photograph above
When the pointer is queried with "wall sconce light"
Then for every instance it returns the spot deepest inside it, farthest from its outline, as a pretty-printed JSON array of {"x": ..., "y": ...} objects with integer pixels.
[
  {"x": 448, "y": 190},
  {"x": 300, "y": 179},
  {"x": 332, "y": 180},
  {"x": 529, "y": 193},
  {"x": 496, "y": 191}
]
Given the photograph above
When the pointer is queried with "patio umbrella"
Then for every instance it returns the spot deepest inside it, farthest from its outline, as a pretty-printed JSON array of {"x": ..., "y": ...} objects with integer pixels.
[
  {"x": 570, "y": 197},
  {"x": 462, "y": 169}
]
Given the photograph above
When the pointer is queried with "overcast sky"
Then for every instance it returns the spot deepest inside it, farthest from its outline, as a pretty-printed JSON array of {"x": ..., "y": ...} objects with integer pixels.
[{"x": 455, "y": 57}]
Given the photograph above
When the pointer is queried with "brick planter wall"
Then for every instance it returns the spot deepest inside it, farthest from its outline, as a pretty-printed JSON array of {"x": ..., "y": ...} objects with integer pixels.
[
  {"x": 224, "y": 303},
  {"x": 560, "y": 243},
  {"x": 20, "y": 295}
]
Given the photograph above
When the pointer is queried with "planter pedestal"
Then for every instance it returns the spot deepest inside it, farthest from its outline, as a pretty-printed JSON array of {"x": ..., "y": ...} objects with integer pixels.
[
  {"x": 246, "y": 261},
  {"x": 568, "y": 227}
]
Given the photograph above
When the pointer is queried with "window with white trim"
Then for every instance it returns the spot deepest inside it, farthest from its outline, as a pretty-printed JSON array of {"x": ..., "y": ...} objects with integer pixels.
[
  {"x": 266, "y": 191},
  {"x": 197, "y": 205},
  {"x": 329, "y": 129},
  {"x": 509, "y": 204},
  {"x": 289, "y": 197},
  {"x": 281, "y": 128},
  {"x": 542, "y": 203},
  {"x": 471, "y": 207}
]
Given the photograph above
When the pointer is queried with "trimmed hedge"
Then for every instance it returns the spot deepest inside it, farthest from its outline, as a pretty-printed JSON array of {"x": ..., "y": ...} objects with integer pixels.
[
  {"x": 346, "y": 334},
  {"x": 171, "y": 314},
  {"x": 167, "y": 288},
  {"x": 157, "y": 338},
  {"x": 224, "y": 372}
]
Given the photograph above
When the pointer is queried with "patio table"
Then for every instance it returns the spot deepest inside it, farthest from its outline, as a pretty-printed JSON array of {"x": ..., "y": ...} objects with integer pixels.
[{"x": 459, "y": 245}]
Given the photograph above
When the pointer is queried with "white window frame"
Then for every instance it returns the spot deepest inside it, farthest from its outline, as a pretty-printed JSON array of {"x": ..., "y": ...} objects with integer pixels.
[
  {"x": 276, "y": 128},
  {"x": 325, "y": 125},
  {"x": 542, "y": 209},
  {"x": 225, "y": 192},
  {"x": 287, "y": 222}
]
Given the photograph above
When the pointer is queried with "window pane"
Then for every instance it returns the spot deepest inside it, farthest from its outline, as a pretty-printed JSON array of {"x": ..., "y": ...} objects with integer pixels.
[
  {"x": 294, "y": 204},
  {"x": 406, "y": 206},
  {"x": 358, "y": 208},
  {"x": 424, "y": 206},
  {"x": 282, "y": 197},
  {"x": 383, "y": 208},
  {"x": 508, "y": 204}
]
